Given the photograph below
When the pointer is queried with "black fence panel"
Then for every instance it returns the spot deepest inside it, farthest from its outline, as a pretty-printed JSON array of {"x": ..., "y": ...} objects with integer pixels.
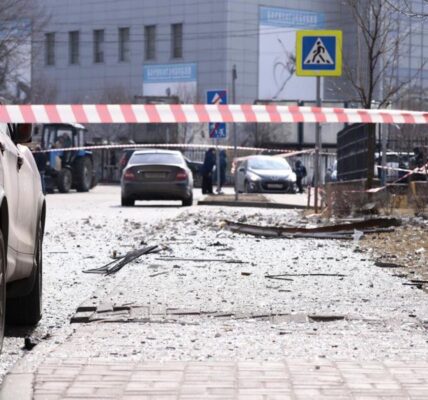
[{"x": 352, "y": 152}]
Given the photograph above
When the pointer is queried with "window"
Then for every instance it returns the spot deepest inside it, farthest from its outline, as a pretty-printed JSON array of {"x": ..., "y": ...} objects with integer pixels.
[
  {"x": 150, "y": 42},
  {"x": 99, "y": 46},
  {"x": 177, "y": 40},
  {"x": 50, "y": 48},
  {"x": 73, "y": 43},
  {"x": 123, "y": 44}
]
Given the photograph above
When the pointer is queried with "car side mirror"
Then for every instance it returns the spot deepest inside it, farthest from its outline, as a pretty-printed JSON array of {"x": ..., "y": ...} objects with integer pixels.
[
  {"x": 241, "y": 169},
  {"x": 22, "y": 133}
]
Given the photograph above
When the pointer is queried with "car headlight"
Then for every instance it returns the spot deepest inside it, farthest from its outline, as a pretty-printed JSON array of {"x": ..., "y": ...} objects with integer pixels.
[{"x": 253, "y": 177}]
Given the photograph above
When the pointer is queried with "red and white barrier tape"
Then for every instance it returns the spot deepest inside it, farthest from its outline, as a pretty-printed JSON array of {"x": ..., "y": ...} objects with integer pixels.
[
  {"x": 413, "y": 171},
  {"x": 200, "y": 113},
  {"x": 420, "y": 170},
  {"x": 283, "y": 152}
]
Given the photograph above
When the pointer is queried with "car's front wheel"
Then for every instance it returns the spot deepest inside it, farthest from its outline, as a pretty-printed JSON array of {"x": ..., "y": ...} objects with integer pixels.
[
  {"x": 126, "y": 202},
  {"x": 27, "y": 310},
  {"x": 2, "y": 288},
  {"x": 187, "y": 202}
]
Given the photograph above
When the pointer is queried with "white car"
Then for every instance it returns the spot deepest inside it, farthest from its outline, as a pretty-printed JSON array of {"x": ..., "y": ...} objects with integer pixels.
[{"x": 22, "y": 218}]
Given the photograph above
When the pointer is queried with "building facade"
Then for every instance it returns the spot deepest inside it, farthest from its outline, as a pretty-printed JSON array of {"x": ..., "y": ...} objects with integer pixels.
[{"x": 108, "y": 51}]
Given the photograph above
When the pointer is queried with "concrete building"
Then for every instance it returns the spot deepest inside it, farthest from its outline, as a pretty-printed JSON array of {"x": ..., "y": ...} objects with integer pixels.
[{"x": 110, "y": 51}]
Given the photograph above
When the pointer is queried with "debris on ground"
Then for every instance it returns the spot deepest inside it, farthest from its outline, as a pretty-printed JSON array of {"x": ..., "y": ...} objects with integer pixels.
[
  {"x": 404, "y": 251},
  {"x": 120, "y": 262},
  {"x": 30, "y": 343},
  {"x": 201, "y": 260},
  {"x": 347, "y": 231}
]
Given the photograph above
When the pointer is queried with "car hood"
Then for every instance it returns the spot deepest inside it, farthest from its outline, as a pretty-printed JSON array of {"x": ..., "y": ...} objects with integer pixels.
[{"x": 274, "y": 173}]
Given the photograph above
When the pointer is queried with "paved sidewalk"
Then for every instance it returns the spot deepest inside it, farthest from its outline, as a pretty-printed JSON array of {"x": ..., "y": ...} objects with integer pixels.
[
  {"x": 257, "y": 200},
  {"x": 81, "y": 378}
]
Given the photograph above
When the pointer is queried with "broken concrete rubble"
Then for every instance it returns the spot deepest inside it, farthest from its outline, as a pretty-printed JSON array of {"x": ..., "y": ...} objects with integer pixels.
[{"x": 346, "y": 231}]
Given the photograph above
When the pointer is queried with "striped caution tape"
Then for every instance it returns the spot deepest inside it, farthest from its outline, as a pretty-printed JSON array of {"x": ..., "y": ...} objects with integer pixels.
[
  {"x": 283, "y": 152},
  {"x": 200, "y": 113},
  {"x": 420, "y": 170},
  {"x": 416, "y": 171}
]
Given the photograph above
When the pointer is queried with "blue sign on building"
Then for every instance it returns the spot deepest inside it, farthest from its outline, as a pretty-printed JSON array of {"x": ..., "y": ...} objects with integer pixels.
[
  {"x": 217, "y": 130},
  {"x": 162, "y": 73}
]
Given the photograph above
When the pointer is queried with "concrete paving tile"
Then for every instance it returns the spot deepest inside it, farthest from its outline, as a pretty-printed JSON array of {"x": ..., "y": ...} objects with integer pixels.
[
  {"x": 45, "y": 396},
  {"x": 80, "y": 391}
]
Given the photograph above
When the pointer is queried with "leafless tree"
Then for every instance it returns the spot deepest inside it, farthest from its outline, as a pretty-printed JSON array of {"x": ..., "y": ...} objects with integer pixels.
[
  {"x": 407, "y": 7},
  {"x": 41, "y": 91},
  {"x": 113, "y": 94},
  {"x": 186, "y": 132},
  {"x": 373, "y": 73},
  {"x": 19, "y": 20}
]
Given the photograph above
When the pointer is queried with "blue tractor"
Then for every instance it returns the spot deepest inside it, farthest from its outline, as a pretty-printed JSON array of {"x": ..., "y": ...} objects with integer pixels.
[{"x": 67, "y": 169}]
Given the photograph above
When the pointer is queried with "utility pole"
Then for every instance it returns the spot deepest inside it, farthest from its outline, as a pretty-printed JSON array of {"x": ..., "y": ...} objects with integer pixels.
[{"x": 235, "y": 143}]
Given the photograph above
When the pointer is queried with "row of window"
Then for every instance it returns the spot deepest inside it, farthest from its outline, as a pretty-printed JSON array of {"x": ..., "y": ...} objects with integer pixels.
[{"x": 124, "y": 35}]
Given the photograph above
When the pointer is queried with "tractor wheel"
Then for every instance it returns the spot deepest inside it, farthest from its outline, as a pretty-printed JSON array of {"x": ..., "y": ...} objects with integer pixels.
[
  {"x": 64, "y": 180},
  {"x": 83, "y": 174}
]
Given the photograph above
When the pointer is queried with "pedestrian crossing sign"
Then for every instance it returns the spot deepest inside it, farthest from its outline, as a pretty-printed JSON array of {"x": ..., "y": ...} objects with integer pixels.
[{"x": 319, "y": 53}]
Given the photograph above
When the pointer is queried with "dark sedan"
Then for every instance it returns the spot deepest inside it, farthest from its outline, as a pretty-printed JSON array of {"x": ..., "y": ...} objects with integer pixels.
[
  {"x": 265, "y": 174},
  {"x": 157, "y": 175}
]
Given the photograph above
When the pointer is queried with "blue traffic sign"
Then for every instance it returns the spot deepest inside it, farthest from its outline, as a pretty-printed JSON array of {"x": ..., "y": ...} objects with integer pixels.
[
  {"x": 217, "y": 130},
  {"x": 319, "y": 53}
]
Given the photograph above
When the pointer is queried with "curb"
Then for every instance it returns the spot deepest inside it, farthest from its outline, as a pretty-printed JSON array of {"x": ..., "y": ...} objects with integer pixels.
[
  {"x": 17, "y": 386},
  {"x": 251, "y": 204}
]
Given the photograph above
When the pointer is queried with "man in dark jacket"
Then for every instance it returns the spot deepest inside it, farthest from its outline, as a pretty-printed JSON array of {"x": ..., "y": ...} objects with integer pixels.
[
  {"x": 207, "y": 171},
  {"x": 418, "y": 161},
  {"x": 300, "y": 171},
  {"x": 223, "y": 167}
]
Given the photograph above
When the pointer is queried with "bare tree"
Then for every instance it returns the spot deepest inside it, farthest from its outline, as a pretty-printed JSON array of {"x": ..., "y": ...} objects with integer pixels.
[
  {"x": 19, "y": 20},
  {"x": 186, "y": 132},
  {"x": 114, "y": 94},
  {"x": 407, "y": 7},
  {"x": 373, "y": 73},
  {"x": 41, "y": 91}
]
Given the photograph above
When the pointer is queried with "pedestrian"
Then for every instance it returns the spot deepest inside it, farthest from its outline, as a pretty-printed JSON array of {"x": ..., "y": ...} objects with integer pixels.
[
  {"x": 300, "y": 171},
  {"x": 223, "y": 168},
  {"x": 41, "y": 162},
  {"x": 207, "y": 171},
  {"x": 418, "y": 161}
]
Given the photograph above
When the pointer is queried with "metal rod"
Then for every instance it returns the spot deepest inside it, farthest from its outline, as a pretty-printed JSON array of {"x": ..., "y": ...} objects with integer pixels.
[
  {"x": 235, "y": 143},
  {"x": 317, "y": 147},
  {"x": 217, "y": 151}
]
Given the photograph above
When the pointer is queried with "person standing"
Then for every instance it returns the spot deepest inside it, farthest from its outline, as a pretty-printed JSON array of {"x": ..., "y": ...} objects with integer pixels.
[
  {"x": 223, "y": 168},
  {"x": 300, "y": 171},
  {"x": 418, "y": 161},
  {"x": 207, "y": 171}
]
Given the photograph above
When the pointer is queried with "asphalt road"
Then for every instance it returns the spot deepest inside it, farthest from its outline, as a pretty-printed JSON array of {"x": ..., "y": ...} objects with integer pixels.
[
  {"x": 223, "y": 305},
  {"x": 69, "y": 247}
]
